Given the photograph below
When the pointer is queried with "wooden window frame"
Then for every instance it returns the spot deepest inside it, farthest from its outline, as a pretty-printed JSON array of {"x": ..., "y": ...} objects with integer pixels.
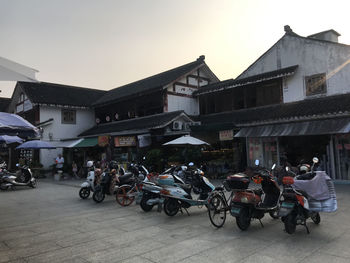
[{"x": 74, "y": 121}]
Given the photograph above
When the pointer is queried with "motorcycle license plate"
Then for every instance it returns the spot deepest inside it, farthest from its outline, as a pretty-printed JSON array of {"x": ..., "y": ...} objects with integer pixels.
[
  {"x": 287, "y": 205},
  {"x": 235, "y": 211}
]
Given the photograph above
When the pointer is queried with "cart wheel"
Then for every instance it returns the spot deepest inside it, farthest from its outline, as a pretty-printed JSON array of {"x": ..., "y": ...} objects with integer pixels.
[
  {"x": 124, "y": 197},
  {"x": 217, "y": 210}
]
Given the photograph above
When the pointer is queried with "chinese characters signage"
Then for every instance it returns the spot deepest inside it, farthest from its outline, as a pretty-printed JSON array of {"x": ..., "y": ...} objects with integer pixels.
[{"x": 123, "y": 141}]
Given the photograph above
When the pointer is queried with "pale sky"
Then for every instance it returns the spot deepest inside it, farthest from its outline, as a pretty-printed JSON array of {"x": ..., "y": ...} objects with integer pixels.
[{"x": 104, "y": 44}]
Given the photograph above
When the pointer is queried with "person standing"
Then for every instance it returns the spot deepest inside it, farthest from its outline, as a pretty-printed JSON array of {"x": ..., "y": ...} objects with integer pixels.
[
  {"x": 75, "y": 170},
  {"x": 59, "y": 162}
]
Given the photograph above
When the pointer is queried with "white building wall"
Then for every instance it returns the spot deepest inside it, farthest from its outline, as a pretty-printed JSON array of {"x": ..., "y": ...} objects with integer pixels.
[
  {"x": 189, "y": 105},
  {"x": 313, "y": 57},
  {"x": 85, "y": 119}
]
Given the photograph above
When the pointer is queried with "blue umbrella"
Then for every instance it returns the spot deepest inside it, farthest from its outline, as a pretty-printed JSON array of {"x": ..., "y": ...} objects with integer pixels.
[
  {"x": 10, "y": 139},
  {"x": 36, "y": 144},
  {"x": 12, "y": 124}
]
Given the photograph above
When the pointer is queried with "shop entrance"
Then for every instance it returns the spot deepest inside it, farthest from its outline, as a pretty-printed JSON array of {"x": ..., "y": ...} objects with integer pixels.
[{"x": 301, "y": 149}]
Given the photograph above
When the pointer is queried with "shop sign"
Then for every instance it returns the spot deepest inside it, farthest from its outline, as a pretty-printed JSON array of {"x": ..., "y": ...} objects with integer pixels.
[
  {"x": 103, "y": 141},
  {"x": 123, "y": 141},
  {"x": 226, "y": 135}
]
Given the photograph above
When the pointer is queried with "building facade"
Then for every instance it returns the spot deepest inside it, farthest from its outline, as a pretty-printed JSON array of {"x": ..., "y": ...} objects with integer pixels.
[{"x": 291, "y": 101}]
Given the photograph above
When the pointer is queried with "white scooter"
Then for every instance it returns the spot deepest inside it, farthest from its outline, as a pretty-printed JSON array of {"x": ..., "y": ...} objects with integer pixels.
[
  {"x": 89, "y": 185},
  {"x": 10, "y": 180}
]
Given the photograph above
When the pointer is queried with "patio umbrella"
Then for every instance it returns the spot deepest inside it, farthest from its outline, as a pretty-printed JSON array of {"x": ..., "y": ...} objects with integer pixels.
[
  {"x": 10, "y": 139},
  {"x": 36, "y": 144},
  {"x": 12, "y": 124},
  {"x": 186, "y": 140}
]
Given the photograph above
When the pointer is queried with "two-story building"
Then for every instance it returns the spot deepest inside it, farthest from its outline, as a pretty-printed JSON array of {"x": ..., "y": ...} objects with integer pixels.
[
  {"x": 150, "y": 111},
  {"x": 61, "y": 111},
  {"x": 293, "y": 100}
]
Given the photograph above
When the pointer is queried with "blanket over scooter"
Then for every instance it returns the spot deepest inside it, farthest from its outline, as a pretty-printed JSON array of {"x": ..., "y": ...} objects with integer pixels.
[{"x": 321, "y": 192}]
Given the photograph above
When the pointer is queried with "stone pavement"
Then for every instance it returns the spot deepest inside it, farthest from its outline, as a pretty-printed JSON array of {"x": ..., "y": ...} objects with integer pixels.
[{"x": 52, "y": 224}]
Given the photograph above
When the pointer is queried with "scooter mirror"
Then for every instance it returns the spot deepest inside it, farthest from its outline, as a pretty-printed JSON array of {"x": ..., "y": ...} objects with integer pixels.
[
  {"x": 191, "y": 164},
  {"x": 315, "y": 160},
  {"x": 257, "y": 162},
  {"x": 273, "y": 166},
  {"x": 287, "y": 169}
]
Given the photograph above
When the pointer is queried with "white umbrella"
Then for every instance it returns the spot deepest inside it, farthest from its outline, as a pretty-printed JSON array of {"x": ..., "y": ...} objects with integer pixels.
[
  {"x": 186, "y": 140},
  {"x": 12, "y": 71}
]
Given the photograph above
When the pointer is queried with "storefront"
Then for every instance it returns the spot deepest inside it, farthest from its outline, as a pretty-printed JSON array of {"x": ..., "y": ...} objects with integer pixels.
[{"x": 327, "y": 139}]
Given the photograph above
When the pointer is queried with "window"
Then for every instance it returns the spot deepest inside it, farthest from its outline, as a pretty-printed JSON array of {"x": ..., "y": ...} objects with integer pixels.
[
  {"x": 68, "y": 117},
  {"x": 316, "y": 84}
]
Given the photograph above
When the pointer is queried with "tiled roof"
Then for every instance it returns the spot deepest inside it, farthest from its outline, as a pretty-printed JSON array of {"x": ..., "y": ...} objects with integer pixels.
[
  {"x": 57, "y": 94},
  {"x": 147, "y": 122},
  {"x": 233, "y": 83},
  {"x": 150, "y": 84},
  {"x": 294, "y": 111}
]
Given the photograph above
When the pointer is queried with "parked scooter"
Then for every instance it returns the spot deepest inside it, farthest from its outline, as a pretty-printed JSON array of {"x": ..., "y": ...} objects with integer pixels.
[
  {"x": 23, "y": 177},
  {"x": 245, "y": 203},
  {"x": 111, "y": 180},
  {"x": 177, "y": 197},
  {"x": 253, "y": 203},
  {"x": 93, "y": 178},
  {"x": 296, "y": 207},
  {"x": 154, "y": 183}
]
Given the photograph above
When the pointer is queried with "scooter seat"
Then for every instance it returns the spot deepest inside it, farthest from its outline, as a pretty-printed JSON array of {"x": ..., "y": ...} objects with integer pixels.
[{"x": 126, "y": 178}]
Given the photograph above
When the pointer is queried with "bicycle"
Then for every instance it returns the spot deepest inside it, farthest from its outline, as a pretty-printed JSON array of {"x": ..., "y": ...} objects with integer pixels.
[{"x": 126, "y": 194}]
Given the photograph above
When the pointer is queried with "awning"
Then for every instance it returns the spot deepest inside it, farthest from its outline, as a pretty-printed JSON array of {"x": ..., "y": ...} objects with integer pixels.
[
  {"x": 87, "y": 142},
  {"x": 317, "y": 127},
  {"x": 66, "y": 144}
]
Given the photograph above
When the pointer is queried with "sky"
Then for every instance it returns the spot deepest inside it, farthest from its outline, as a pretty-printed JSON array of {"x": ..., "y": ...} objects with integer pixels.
[{"x": 105, "y": 44}]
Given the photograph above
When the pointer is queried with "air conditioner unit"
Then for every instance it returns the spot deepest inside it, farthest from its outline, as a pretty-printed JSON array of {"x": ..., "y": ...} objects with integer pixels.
[{"x": 177, "y": 125}]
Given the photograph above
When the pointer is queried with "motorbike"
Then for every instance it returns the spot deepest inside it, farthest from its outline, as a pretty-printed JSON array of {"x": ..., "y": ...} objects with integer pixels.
[
  {"x": 295, "y": 208},
  {"x": 152, "y": 186},
  {"x": 178, "y": 196},
  {"x": 245, "y": 203},
  {"x": 23, "y": 177},
  {"x": 113, "y": 179},
  {"x": 93, "y": 178},
  {"x": 253, "y": 203}
]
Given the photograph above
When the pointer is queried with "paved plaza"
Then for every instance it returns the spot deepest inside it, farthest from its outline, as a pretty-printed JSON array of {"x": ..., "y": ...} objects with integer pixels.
[{"x": 52, "y": 224}]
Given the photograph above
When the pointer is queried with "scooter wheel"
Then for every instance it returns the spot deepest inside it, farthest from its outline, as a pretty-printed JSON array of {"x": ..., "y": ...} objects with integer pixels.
[
  {"x": 3, "y": 187},
  {"x": 316, "y": 218},
  {"x": 171, "y": 207},
  {"x": 33, "y": 183},
  {"x": 98, "y": 196},
  {"x": 84, "y": 193},
  {"x": 243, "y": 219},
  {"x": 145, "y": 207},
  {"x": 290, "y": 223}
]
